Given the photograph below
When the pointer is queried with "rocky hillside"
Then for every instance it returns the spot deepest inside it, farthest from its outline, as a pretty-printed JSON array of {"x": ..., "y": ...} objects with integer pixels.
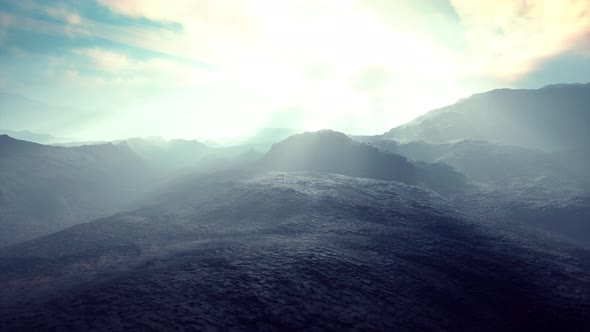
[
  {"x": 555, "y": 117},
  {"x": 293, "y": 251},
  {"x": 45, "y": 188}
]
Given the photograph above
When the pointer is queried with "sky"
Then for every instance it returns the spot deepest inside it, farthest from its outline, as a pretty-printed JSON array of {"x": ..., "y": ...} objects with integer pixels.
[{"x": 107, "y": 69}]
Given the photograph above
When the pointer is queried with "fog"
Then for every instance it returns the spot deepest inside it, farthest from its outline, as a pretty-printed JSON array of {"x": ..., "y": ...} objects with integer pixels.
[
  {"x": 471, "y": 212},
  {"x": 249, "y": 165}
]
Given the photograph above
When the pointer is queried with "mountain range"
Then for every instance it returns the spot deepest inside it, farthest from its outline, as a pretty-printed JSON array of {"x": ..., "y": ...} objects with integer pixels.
[
  {"x": 27, "y": 135},
  {"x": 46, "y": 188},
  {"x": 472, "y": 217},
  {"x": 552, "y": 118},
  {"x": 18, "y": 111}
]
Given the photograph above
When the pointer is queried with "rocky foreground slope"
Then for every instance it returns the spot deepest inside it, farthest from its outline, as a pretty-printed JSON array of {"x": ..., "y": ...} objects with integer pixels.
[{"x": 293, "y": 251}]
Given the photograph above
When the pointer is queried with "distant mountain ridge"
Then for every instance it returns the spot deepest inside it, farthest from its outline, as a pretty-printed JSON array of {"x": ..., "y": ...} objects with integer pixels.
[
  {"x": 492, "y": 163},
  {"x": 518, "y": 185},
  {"x": 20, "y": 112},
  {"x": 334, "y": 152},
  {"x": 27, "y": 135},
  {"x": 472, "y": 217},
  {"x": 48, "y": 188},
  {"x": 554, "y": 117},
  {"x": 164, "y": 154}
]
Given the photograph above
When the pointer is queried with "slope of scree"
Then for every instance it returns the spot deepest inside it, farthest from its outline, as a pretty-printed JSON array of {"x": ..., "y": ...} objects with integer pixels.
[{"x": 293, "y": 251}]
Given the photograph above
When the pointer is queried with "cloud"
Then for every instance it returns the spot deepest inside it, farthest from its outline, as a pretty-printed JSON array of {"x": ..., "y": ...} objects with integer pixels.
[
  {"x": 63, "y": 14},
  {"x": 5, "y": 20},
  {"x": 293, "y": 36},
  {"x": 583, "y": 47},
  {"x": 116, "y": 67},
  {"x": 210, "y": 30},
  {"x": 57, "y": 11},
  {"x": 509, "y": 39},
  {"x": 338, "y": 61},
  {"x": 504, "y": 39},
  {"x": 12, "y": 21},
  {"x": 170, "y": 11},
  {"x": 143, "y": 37},
  {"x": 106, "y": 60},
  {"x": 332, "y": 59}
]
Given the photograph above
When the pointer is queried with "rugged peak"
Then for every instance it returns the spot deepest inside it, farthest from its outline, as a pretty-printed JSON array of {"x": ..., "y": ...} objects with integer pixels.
[
  {"x": 334, "y": 152},
  {"x": 11, "y": 144},
  {"x": 323, "y": 135}
]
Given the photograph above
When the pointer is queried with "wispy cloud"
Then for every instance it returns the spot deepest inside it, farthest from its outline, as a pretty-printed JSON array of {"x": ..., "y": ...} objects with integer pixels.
[
  {"x": 171, "y": 11},
  {"x": 121, "y": 68},
  {"x": 336, "y": 60},
  {"x": 58, "y": 11},
  {"x": 210, "y": 30},
  {"x": 509, "y": 39},
  {"x": 506, "y": 39},
  {"x": 13, "y": 21},
  {"x": 2, "y": 35},
  {"x": 64, "y": 14},
  {"x": 106, "y": 60}
]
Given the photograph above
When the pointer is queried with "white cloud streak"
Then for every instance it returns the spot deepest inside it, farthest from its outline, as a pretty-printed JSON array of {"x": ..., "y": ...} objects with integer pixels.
[
  {"x": 509, "y": 39},
  {"x": 152, "y": 72}
]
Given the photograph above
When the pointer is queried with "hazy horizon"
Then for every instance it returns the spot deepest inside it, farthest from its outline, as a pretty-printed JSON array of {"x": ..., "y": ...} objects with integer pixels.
[
  {"x": 113, "y": 69},
  {"x": 224, "y": 139},
  {"x": 294, "y": 165}
]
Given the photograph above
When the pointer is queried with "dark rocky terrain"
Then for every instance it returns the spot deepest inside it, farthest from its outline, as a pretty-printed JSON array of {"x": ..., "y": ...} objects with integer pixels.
[
  {"x": 294, "y": 251},
  {"x": 521, "y": 186},
  {"x": 474, "y": 217}
]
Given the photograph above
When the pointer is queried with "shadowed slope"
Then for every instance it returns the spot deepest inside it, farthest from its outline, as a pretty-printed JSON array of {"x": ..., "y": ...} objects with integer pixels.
[
  {"x": 47, "y": 188},
  {"x": 554, "y": 117},
  {"x": 293, "y": 251},
  {"x": 546, "y": 190},
  {"x": 333, "y": 152}
]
